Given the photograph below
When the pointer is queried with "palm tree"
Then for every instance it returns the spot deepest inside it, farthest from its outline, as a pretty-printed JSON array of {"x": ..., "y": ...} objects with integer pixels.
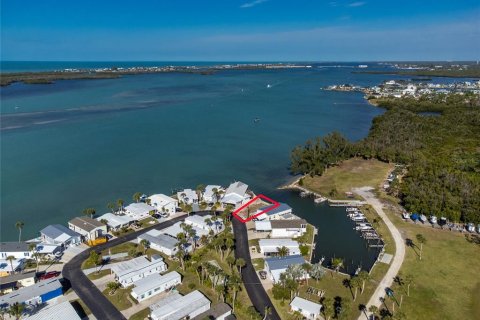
[
  {"x": 16, "y": 310},
  {"x": 283, "y": 251},
  {"x": 19, "y": 225},
  {"x": 112, "y": 286},
  {"x": 145, "y": 244},
  {"x": 307, "y": 267},
  {"x": 200, "y": 190},
  {"x": 364, "y": 276},
  {"x": 89, "y": 212},
  {"x": 230, "y": 260},
  {"x": 317, "y": 271},
  {"x": 337, "y": 264},
  {"x": 266, "y": 312},
  {"x": 240, "y": 263},
  {"x": 220, "y": 290},
  {"x": 373, "y": 310},
  {"x": 120, "y": 203},
  {"x": 327, "y": 309},
  {"x": 10, "y": 259},
  {"x": 33, "y": 248},
  {"x": 409, "y": 279},
  {"x": 234, "y": 284},
  {"x": 355, "y": 283},
  {"x": 111, "y": 206},
  {"x": 422, "y": 240},
  {"x": 137, "y": 196}
]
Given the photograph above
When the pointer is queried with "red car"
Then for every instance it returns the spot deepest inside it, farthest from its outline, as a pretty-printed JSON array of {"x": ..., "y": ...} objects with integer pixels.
[{"x": 49, "y": 275}]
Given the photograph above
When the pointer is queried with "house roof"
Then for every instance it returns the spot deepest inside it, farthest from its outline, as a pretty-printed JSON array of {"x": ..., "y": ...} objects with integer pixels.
[
  {"x": 135, "y": 266},
  {"x": 281, "y": 208},
  {"x": 161, "y": 199},
  {"x": 86, "y": 223},
  {"x": 263, "y": 225},
  {"x": 215, "y": 312},
  {"x": 209, "y": 190},
  {"x": 7, "y": 266},
  {"x": 306, "y": 305},
  {"x": 58, "y": 232},
  {"x": 161, "y": 240},
  {"x": 189, "y": 194},
  {"x": 17, "y": 277},
  {"x": 238, "y": 188},
  {"x": 114, "y": 220},
  {"x": 283, "y": 262},
  {"x": 14, "y": 247},
  {"x": 283, "y": 224},
  {"x": 30, "y": 292},
  {"x": 139, "y": 208},
  {"x": 277, "y": 243},
  {"x": 59, "y": 311},
  {"x": 176, "y": 306},
  {"x": 153, "y": 281}
]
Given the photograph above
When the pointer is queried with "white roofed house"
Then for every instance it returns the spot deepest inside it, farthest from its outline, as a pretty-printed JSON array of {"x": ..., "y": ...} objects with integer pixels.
[
  {"x": 310, "y": 310},
  {"x": 275, "y": 213},
  {"x": 60, "y": 235},
  {"x": 154, "y": 284},
  {"x": 160, "y": 242},
  {"x": 275, "y": 266},
  {"x": 130, "y": 271},
  {"x": 178, "y": 307},
  {"x": 20, "y": 250},
  {"x": 187, "y": 196},
  {"x": 236, "y": 194},
  {"x": 175, "y": 229},
  {"x": 209, "y": 195},
  {"x": 58, "y": 311},
  {"x": 269, "y": 247},
  {"x": 89, "y": 228},
  {"x": 115, "y": 221},
  {"x": 139, "y": 210},
  {"x": 163, "y": 203},
  {"x": 205, "y": 223},
  {"x": 288, "y": 228}
]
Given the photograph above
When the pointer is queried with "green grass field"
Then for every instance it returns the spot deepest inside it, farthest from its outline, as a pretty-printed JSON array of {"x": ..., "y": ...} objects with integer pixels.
[
  {"x": 141, "y": 315},
  {"x": 120, "y": 298},
  {"x": 349, "y": 174}
]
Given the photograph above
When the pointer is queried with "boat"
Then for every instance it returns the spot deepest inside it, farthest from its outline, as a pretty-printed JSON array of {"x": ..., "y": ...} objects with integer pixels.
[
  {"x": 423, "y": 218},
  {"x": 360, "y": 228},
  {"x": 269, "y": 85},
  {"x": 304, "y": 194},
  {"x": 363, "y": 66},
  {"x": 319, "y": 200},
  {"x": 256, "y": 120},
  {"x": 433, "y": 219},
  {"x": 405, "y": 216},
  {"x": 470, "y": 227}
]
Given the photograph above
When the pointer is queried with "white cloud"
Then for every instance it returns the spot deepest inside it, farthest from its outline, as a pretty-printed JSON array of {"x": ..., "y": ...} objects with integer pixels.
[
  {"x": 252, "y": 3},
  {"x": 357, "y": 4}
]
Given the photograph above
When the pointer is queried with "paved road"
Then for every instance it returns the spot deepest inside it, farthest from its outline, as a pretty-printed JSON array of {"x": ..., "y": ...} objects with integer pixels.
[
  {"x": 100, "y": 306},
  {"x": 252, "y": 283},
  {"x": 397, "y": 261}
]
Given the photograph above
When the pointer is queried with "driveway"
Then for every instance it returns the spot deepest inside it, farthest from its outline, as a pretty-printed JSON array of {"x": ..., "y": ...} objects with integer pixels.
[
  {"x": 392, "y": 272},
  {"x": 252, "y": 283},
  {"x": 100, "y": 306}
]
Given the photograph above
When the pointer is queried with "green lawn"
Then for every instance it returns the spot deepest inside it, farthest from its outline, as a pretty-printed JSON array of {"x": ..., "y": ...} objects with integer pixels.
[
  {"x": 120, "y": 299},
  {"x": 258, "y": 263},
  {"x": 140, "y": 315},
  {"x": 352, "y": 173},
  {"x": 102, "y": 273}
]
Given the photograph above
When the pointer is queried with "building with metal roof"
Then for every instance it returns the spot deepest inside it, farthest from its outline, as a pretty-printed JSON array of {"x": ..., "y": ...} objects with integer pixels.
[
  {"x": 310, "y": 310},
  {"x": 59, "y": 311},
  {"x": 278, "y": 265},
  {"x": 59, "y": 235},
  {"x": 127, "y": 272},
  {"x": 177, "y": 307},
  {"x": 154, "y": 284},
  {"x": 40, "y": 292}
]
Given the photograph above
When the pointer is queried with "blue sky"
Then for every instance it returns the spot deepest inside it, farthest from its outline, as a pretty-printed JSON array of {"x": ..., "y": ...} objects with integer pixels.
[{"x": 236, "y": 30}]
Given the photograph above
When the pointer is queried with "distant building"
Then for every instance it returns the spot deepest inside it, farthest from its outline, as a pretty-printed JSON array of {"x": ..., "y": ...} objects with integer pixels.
[
  {"x": 236, "y": 194},
  {"x": 275, "y": 213},
  {"x": 310, "y": 310},
  {"x": 115, "y": 221},
  {"x": 209, "y": 195},
  {"x": 175, "y": 229},
  {"x": 282, "y": 228},
  {"x": 187, "y": 196},
  {"x": 59, "y": 311},
  {"x": 127, "y": 272},
  {"x": 139, "y": 210},
  {"x": 60, "y": 235},
  {"x": 270, "y": 246},
  {"x": 89, "y": 228},
  {"x": 220, "y": 311},
  {"x": 17, "y": 281},
  {"x": 154, "y": 284},
  {"x": 38, "y": 293},
  {"x": 20, "y": 250},
  {"x": 201, "y": 223},
  {"x": 177, "y": 307},
  {"x": 276, "y": 266},
  {"x": 163, "y": 203},
  {"x": 160, "y": 242}
]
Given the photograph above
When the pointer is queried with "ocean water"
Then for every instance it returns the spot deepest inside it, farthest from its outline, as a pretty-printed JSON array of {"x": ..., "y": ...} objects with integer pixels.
[{"x": 83, "y": 143}]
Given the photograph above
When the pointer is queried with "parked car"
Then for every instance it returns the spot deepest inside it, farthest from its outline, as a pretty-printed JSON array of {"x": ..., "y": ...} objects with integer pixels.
[
  {"x": 49, "y": 275},
  {"x": 263, "y": 274}
]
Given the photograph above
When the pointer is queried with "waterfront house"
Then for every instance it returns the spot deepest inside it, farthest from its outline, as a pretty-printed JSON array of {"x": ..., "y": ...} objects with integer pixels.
[
  {"x": 89, "y": 228},
  {"x": 220, "y": 311},
  {"x": 127, "y": 272},
  {"x": 209, "y": 196},
  {"x": 154, "y": 284},
  {"x": 49, "y": 250},
  {"x": 19, "y": 250},
  {"x": 175, "y": 229},
  {"x": 58, "y": 311},
  {"x": 8, "y": 267},
  {"x": 200, "y": 223},
  {"x": 139, "y": 210},
  {"x": 187, "y": 196},
  {"x": 17, "y": 281},
  {"x": 163, "y": 203},
  {"x": 269, "y": 247},
  {"x": 60, "y": 235},
  {"x": 38, "y": 293},
  {"x": 275, "y": 213},
  {"x": 160, "y": 242},
  {"x": 115, "y": 221},
  {"x": 278, "y": 265},
  {"x": 282, "y": 228},
  {"x": 236, "y": 194},
  {"x": 177, "y": 307},
  {"x": 309, "y": 310}
]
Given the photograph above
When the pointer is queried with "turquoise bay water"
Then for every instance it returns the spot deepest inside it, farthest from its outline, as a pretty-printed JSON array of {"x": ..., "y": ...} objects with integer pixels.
[{"x": 78, "y": 144}]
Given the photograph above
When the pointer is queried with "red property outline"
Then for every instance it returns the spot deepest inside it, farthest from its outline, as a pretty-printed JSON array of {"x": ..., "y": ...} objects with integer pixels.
[{"x": 274, "y": 205}]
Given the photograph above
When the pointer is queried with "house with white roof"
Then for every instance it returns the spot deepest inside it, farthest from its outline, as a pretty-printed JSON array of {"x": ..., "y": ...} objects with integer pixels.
[
  {"x": 275, "y": 213},
  {"x": 58, "y": 311},
  {"x": 175, "y": 229},
  {"x": 282, "y": 228},
  {"x": 187, "y": 196},
  {"x": 236, "y": 194},
  {"x": 38, "y": 293},
  {"x": 89, "y": 228},
  {"x": 115, "y": 221},
  {"x": 127, "y": 272},
  {"x": 278, "y": 265},
  {"x": 269, "y": 247},
  {"x": 310, "y": 310},
  {"x": 177, "y": 307},
  {"x": 220, "y": 311},
  {"x": 19, "y": 250},
  {"x": 139, "y": 210},
  {"x": 163, "y": 203},
  {"x": 209, "y": 194},
  {"x": 60, "y": 235},
  {"x": 154, "y": 284},
  {"x": 201, "y": 223},
  {"x": 160, "y": 242}
]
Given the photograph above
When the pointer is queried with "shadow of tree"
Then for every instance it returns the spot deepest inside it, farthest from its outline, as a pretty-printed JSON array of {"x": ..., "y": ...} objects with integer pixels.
[
  {"x": 473, "y": 238},
  {"x": 409, "y": 243}
]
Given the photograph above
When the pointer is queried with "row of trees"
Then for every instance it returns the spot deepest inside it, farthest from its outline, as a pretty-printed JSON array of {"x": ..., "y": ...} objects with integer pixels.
[{"x": 441, "y": 153}]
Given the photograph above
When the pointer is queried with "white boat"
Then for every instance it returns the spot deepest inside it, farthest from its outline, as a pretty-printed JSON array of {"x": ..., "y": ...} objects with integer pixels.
[
  {"x": 405, "y": 216},
  {"x": 423, "y": 218},
  {"x": 433, "y": 219},
  {"x": 360, "y": 228},
  {"x": 362, "y": 66},
  {"x": 470, "y": 227},
  {"x": 319, "y": 200},
  {"x": 269, "y": 85}
]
